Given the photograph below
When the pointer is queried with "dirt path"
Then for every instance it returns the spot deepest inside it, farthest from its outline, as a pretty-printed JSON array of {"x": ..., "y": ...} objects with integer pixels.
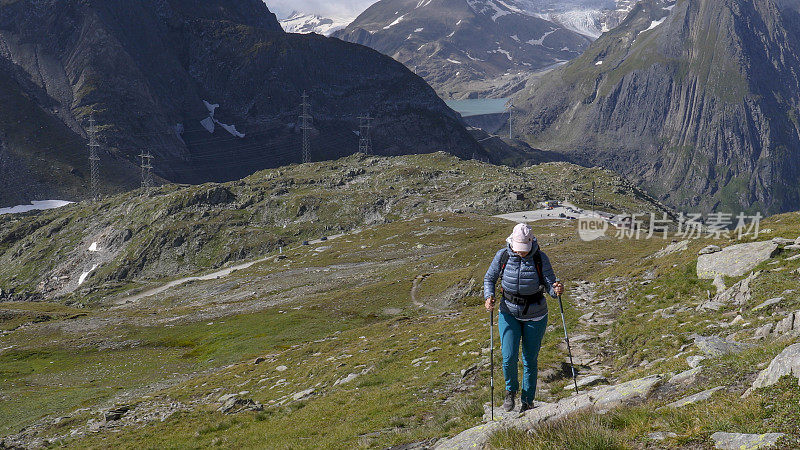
[{"x": 211, "y": 276}]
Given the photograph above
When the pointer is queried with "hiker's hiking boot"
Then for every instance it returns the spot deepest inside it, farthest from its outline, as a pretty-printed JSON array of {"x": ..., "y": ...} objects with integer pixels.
[
  {"x": 508, "y": 404},
  {"x": 525, "y": 406}
]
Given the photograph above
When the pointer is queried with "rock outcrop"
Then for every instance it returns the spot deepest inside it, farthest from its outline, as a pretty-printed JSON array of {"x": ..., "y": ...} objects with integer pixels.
[
  {"x": 603, "y": 398},
  {"x": 737, "y": 441},
  {"x": 786, "y": 363},
  {"x": 735, "y": 260}
]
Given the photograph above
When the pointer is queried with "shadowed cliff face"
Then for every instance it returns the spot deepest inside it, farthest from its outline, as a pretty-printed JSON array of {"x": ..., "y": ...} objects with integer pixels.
[
  {"x": 699, "y": 101},
  {"x": 144, "y": 70}
]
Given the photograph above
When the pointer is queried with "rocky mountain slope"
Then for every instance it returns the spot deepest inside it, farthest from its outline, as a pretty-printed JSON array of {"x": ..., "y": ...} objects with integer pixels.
[
  {"x": 211, "y": 89},
  {"x": 376, "y": 337},
  {"x": 697, "y": 101},
  {"x": 453, "y": 44}
]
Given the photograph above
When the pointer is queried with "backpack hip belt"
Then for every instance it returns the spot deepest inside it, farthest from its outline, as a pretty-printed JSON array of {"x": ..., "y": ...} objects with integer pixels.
[{"x": 525, "y": 300}]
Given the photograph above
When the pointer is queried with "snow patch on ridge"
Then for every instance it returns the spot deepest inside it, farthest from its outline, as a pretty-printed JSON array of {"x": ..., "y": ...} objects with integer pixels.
[
  {"x": 86, "y": 274},
  {"x": 35, "y": 206},
  {"x": 396, "y": 21},
  {"x": 655, "y": 23},
  {"x": 540, "y": 41}
]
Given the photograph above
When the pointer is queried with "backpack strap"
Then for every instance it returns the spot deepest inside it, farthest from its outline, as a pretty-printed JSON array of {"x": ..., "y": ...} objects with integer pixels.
[
  {"x": 537, "y": 261},
  {"x": 503, "y": 263}
]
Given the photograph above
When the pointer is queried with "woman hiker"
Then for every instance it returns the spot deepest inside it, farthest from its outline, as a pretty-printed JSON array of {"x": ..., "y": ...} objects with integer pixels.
[{"x": 525, "y": 274}]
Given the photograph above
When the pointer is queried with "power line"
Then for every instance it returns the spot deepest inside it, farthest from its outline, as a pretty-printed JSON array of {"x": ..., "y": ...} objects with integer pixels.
[
  {"x": 147, "y": 169},
  {"x": 94, "y": 159},
  {"x": 365, "y": 141},
  {"x": 305, "y": 125}
]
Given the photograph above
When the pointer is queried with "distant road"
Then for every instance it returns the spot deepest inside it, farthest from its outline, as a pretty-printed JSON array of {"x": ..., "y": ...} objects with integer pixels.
[{"x": 553, "y": 214}]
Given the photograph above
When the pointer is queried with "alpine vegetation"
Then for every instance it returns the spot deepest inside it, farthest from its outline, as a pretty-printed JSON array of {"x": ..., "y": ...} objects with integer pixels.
[{"x": 215, "y": 233}]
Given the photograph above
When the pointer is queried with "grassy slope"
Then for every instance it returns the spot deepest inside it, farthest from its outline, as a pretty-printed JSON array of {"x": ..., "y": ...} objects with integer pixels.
[
  {"x": 175, "y": 230},
  {"x": 399, "y": 402}
]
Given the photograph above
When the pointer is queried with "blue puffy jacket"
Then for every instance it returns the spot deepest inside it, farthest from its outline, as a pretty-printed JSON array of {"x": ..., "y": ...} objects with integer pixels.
[{"x": 521, "y": 278}]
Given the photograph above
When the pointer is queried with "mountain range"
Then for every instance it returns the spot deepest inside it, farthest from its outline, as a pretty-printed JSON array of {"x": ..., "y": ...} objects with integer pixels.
[
  {"x": 696, "y": 100},
  {"x": 211, "y": 88},
  {"x": 464, "y": 47}
]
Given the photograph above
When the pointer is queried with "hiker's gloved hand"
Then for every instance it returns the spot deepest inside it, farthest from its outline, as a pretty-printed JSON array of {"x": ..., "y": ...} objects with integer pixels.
[
  {"x": 490, "y": 303},
  {"x": 558, "y": 288}
]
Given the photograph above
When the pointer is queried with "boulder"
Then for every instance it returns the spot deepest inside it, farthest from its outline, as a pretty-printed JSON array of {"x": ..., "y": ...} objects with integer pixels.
[
  {"x": 475, "y": 437},
  {"x": 227, "y": 397},
  {"x": 674, "y": 247},
  {"x": 786, "y": 363},
  {"x": 625, "y": 393},
  {"x": 346, "y": 379},
  {"x": 789, "y": 325},
  {"x": 591, "y": 380},
  {"x": 660, "y": 435},
  {"x": 116, "y": 413},
  {"x": 304, "y": 394},
  {"x": 709, "y": 249},
  {"x": 768, "y": 303},
  {"x": 694, "y": 361},
  {"x": 782, "y": 241},
  {"x": 235, "y": 404},
  {"x": 717, "y": 346},
  {"x": 699, "y": 397},
  {"x": 719, "y": 283},
  {"x": 687, "y": 377},
  {"x": 736, "y": 441},
  {"x": 738, "y": 294},
  {"x": 763, "y": 331},
  {"x": 710, "y": 305},
  {"x": 735, "y": 260}
]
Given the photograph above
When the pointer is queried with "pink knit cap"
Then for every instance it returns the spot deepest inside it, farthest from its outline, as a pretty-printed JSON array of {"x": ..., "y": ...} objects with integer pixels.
[{"x": 521, "y": 239}]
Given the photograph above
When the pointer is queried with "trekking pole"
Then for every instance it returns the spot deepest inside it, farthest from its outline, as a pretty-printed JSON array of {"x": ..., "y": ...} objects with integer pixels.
[
  {"x": 491, "y": 358},
  {"x": 569, "y": 350}
]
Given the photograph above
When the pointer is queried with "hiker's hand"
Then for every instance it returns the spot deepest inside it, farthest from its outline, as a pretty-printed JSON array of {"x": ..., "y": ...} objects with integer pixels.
[
  {"x": 558, "y": 288},
  {"x": 490, "y": 303}
]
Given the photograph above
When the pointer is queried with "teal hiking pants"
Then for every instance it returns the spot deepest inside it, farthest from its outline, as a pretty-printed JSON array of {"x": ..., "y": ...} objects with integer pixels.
[{"x": 531, "y": 333}]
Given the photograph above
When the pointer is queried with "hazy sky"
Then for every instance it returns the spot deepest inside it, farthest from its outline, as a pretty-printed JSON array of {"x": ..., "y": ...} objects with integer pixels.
[{"x": 340, "y": 8}]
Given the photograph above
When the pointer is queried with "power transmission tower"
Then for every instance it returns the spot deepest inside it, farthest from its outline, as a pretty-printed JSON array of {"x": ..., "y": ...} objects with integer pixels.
[
  {"x": 305, "y": 125},
  {"x": 94, "y": 159},
  {"x": 510, "y": 127},
  {"x": 365, "y": 143},
  {"x": 147, "y": 169}
]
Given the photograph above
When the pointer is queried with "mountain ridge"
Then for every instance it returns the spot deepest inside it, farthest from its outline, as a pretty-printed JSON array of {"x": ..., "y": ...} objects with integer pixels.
[
  {"x": 452, "y": 43},
  {"x": 682, "y": 98}
]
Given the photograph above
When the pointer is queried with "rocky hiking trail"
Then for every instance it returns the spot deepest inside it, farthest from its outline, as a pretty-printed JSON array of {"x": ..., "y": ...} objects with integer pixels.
[{"x": 594, "y": 358}]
